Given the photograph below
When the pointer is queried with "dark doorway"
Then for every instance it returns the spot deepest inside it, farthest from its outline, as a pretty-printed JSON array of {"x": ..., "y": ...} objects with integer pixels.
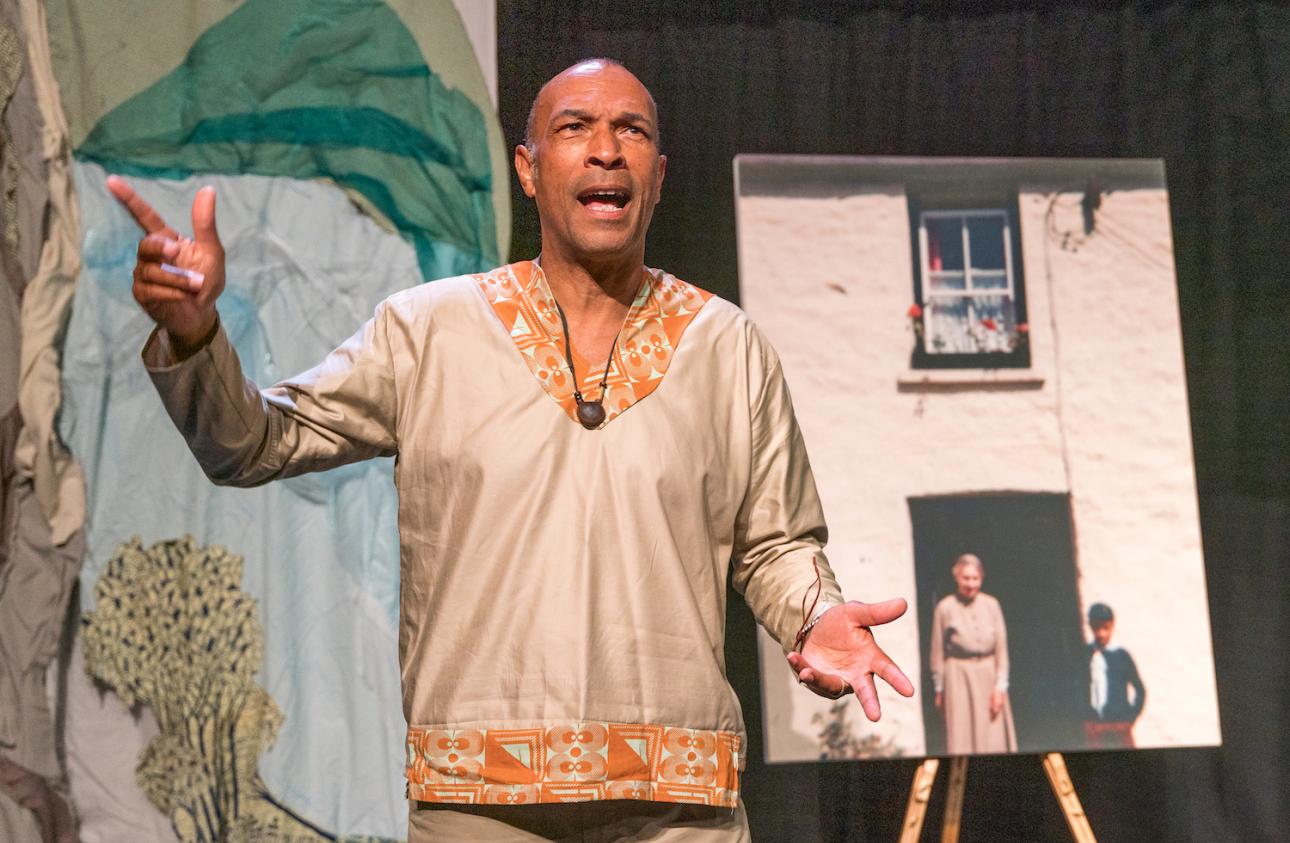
[{"x": 1026, "y": 544}]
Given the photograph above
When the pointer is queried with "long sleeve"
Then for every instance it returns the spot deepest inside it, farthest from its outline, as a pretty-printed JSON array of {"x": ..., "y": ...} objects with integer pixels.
[
  {"x": 936, "y": 659},
  {"x": 780, "y": 530},
  {"x": 1001, "y": 665},
  {"x": 341, "y": 411},
  {"x": 1140, "y": 690}
]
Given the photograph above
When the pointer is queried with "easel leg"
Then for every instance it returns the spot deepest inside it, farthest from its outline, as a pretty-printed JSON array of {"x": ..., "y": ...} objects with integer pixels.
[
  {"x": 1064, "y": 788},
  {"x": 919, "y": 794},
  {"x": 954, "y": 800}
]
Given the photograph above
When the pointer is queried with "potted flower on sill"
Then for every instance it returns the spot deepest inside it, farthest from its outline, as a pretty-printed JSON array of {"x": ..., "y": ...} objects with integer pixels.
[{"x": 1021, "y": 337}]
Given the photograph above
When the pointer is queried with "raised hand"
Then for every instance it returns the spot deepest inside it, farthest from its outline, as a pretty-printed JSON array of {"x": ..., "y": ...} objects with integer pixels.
[
  {"x": 840, "y": 654},
  {"x": 176, "y": 279}
]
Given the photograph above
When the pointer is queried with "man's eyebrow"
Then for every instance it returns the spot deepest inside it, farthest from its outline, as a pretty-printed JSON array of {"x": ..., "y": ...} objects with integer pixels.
[
  {"x": 624, "y": 117},
  {"x": 573, "y": 112}
]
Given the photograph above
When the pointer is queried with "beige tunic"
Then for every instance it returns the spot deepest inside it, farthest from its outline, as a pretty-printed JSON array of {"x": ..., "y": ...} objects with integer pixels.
[
  {"x": 969, "y": 662},
  {"x": 562, "y": 590}
]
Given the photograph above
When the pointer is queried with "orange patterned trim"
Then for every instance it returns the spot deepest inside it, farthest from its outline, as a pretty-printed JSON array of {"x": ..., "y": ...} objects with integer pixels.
[
  {"x": 651, "y": 332},
  {"x": 573, "y": 762}
]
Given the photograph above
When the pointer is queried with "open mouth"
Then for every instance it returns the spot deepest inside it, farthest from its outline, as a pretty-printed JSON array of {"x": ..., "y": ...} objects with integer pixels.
[{"x": 606, "y": 200}]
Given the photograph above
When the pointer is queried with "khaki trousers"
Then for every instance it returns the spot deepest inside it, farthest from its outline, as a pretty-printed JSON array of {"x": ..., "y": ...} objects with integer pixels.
[{"x": 609, "y": 821}]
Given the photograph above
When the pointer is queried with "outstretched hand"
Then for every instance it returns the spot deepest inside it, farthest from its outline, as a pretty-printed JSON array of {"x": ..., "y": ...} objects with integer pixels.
[
  {"x": 176, "y": 279},
  {"x": 840, "y": 653}
]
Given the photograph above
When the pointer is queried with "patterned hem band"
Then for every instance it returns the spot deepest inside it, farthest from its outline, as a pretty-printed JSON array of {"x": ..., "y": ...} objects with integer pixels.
[{"x": 573, "y": 762}]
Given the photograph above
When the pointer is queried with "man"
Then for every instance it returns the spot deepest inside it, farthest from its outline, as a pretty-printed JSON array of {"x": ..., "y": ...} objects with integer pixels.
[
  {"x": 1111, "y": 673},
  {"x": 585, "y": 447}
]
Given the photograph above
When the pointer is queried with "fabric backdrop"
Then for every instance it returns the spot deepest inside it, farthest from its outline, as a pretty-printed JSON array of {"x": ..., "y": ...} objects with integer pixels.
[{"x": 245, "y": 640}]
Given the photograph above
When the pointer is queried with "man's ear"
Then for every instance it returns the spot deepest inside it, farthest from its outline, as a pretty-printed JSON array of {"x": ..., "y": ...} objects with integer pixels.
[
  {"x": 524, "y": 167},
  {"x": 662, "y": 171}
]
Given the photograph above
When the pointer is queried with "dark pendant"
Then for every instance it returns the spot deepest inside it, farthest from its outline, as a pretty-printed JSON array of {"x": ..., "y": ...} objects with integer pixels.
[{"x": 591, "y": 414}]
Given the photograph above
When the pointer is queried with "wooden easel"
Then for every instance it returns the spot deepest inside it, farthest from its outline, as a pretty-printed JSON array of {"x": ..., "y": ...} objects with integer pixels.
[{"x": 920, "y": 793}]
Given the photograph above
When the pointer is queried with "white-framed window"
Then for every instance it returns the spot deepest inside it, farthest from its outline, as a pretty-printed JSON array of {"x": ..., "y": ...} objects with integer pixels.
[
  {"x": 969, "y": 287},
  {"x": 969, "y": 298}
]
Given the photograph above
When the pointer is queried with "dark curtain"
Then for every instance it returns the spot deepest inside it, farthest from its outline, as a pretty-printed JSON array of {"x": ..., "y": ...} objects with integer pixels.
[{"x": 1206, "y": 87}]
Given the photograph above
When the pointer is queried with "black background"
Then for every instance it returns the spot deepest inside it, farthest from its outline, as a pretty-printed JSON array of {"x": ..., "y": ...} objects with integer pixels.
[{"x": 1206, "y": 87}]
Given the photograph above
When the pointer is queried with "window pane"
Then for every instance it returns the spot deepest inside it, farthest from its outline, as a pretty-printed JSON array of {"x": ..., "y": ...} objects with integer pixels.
[
  {"x": 988, "y": 280},
  {"x": 970, "y": 324},
  {"x": 985, "y": 239},
  {"x": 946, "y": 321},
  {"x": 948, "y": 281},
  {"x": 993, "y": 326},
  {"x": 944, "y": 243}
]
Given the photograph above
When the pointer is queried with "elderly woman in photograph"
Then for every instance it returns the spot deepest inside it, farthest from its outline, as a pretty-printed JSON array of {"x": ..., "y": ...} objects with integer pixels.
[{"x": 969, "y": 663}]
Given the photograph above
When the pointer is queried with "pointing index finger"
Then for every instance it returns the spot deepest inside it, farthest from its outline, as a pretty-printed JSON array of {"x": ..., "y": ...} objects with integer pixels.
[{"x": 147, "y": 218}]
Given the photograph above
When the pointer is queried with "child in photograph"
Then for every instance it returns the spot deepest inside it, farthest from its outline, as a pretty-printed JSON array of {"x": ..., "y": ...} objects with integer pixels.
[{"x": 1111, "y": 673}]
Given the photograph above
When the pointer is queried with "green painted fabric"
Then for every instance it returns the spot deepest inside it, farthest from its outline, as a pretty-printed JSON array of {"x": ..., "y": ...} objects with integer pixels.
[{"x": 320, "y": 89}]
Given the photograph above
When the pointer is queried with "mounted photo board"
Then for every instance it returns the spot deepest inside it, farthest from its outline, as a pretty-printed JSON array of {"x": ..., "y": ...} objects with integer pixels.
[{"x": 985, "y": 358}]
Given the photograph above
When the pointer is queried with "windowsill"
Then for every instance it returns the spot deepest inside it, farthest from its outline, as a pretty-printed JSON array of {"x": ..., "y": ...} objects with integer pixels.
[{"x": 957, "y": 380}]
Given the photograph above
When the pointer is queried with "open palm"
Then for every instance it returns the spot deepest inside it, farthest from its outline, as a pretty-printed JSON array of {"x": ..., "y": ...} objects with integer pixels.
[{"x": 840, "y": 654}]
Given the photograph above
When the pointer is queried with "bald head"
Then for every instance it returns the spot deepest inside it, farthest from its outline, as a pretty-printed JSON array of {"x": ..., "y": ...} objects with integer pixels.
[
  {"x": 584, "y": 68},
  {"x": 591, "y": 164}
]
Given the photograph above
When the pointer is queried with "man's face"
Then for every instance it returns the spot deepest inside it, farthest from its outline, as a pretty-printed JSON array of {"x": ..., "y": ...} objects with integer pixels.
[
  {"x": 1102, "y": 632},
  {"x": 594, "y": 170}
]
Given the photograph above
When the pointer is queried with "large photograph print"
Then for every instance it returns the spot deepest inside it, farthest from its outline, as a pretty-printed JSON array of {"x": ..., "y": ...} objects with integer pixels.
[{"x": 986, "y": 362}]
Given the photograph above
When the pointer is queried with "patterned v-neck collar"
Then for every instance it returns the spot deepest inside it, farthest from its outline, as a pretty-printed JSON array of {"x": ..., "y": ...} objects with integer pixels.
[{"x": 661, "y": 312}]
